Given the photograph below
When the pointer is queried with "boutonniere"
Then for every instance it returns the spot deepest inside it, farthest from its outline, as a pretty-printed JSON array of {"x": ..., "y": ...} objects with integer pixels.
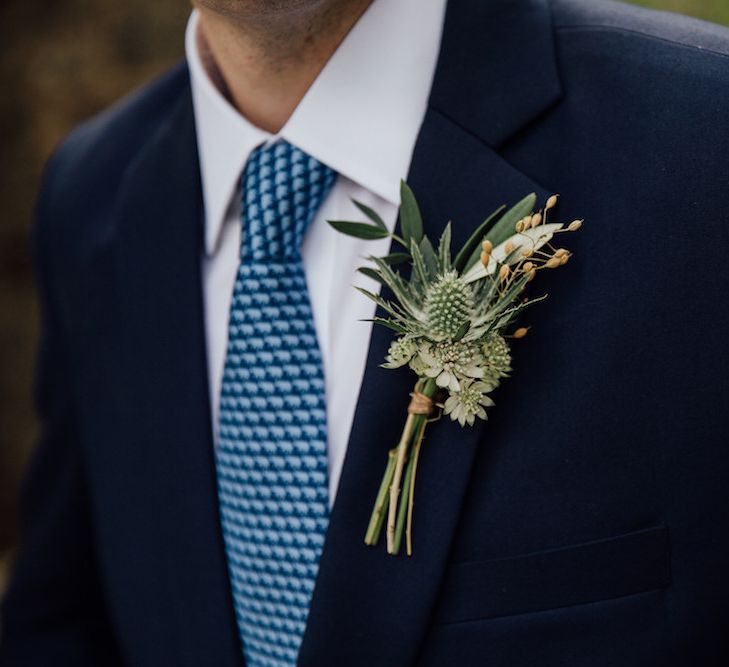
[{"x": 454, "y": 320}]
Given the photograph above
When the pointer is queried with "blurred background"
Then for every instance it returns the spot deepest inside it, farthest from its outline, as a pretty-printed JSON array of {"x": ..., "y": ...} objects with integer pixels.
[{"x": 61, "y": 61}]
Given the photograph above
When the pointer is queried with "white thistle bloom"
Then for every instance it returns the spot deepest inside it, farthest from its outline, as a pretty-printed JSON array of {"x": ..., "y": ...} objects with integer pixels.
[
  {"x": 470, "y": 402},
  {"x": 450, "y": 362}
]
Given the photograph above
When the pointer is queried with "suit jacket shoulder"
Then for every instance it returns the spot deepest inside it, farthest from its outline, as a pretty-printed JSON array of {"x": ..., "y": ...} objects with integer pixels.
[
  {"x": 638, "y": 24},
  {"x": 86, "y": 170}
]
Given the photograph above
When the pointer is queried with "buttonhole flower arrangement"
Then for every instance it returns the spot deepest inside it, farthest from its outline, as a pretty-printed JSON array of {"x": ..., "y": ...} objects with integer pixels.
[{"x": 454, "y": 319}]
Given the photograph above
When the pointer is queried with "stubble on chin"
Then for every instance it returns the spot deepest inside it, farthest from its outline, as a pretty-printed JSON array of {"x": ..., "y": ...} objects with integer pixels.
[{"x": 246, "y": 10}]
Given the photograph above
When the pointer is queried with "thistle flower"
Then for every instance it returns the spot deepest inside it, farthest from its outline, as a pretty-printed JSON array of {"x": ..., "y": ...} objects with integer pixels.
[
  {"x": 449, "y": 303},
  {"x": 497, "y": 357},
  {"x": 470, "y": 402}
]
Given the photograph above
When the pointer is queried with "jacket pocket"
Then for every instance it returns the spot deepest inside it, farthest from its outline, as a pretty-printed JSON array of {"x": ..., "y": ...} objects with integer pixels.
[{"x": 623, "y": 565}]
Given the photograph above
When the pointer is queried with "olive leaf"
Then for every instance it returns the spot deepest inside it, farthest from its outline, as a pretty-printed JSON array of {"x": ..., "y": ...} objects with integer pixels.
[
  {"x": 411, "y": 222},
  {"x": 360, "y": 230}
]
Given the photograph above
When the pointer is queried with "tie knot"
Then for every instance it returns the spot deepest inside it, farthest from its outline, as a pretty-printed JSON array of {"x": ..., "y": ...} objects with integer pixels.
[{"x": 282, "y": 189}]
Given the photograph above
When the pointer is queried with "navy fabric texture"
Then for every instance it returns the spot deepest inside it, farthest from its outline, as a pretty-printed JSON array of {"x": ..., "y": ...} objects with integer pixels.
[
  {"x": 584, "y": 524},
  {"x": 271, "y": 448}
]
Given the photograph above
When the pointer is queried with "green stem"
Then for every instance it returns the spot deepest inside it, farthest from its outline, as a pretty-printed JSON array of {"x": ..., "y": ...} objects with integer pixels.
[
  {"x": 401, "y": 241},
  {"x": 402, "y": 450},
  {"x": 427, "y": 388},
  {"x": 411, "y": 493},
  {"x": 402, "y": 511},
  {"x": 386, "y": 502},
  {"x": 381, "y": 502}
]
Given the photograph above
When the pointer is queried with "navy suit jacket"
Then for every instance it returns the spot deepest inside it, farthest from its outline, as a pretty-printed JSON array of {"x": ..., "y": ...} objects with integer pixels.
[{"x": 585, "y": 524}]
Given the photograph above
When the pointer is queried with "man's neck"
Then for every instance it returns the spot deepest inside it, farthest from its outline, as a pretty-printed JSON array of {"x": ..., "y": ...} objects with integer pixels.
[{"x": 268, "y": 59}]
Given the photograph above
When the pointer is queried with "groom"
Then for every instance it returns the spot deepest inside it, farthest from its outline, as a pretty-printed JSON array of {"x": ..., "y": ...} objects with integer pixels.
[{"x": 215, "y": 418}]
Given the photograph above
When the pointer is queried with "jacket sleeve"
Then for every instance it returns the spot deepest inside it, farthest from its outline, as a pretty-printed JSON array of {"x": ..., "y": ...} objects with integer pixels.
[{"x": 53, "y": 612}]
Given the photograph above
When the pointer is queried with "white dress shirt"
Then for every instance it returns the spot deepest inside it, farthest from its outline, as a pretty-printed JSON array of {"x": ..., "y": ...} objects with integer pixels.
[{"x": 360, "y": 117}]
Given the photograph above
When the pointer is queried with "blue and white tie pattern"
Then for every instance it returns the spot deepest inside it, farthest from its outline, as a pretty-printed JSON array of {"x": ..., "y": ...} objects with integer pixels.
[{"x": 271, "y": 451}]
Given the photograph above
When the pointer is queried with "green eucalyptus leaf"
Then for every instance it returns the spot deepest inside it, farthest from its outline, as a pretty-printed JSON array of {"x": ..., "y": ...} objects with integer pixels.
[
  {"x": 411, "y": 222},
  {"x": 372, "y": 215},
  {"x": 471, "y": 251},
  {"x": 360, "y": 230}
]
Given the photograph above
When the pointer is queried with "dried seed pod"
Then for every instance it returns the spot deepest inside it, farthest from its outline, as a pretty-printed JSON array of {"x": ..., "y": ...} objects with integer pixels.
[
  {"x": 554, "y": 263},
  {"x": 521, "y": 332},
  {"x": 504, "y": 272},
  {"x": 561, "y": 252},
  {"x": 528, "y": 266},
  {"x": 531, "y": 275},
  {"x": 485, "y": 257},
  {"x": 528, "y": 251},
  {"x": 552, "y": 202},
  {"x": 487, "y": 246},
  {"x": 536, "y": 220},
  {"x": 509, "y": 247},
  {"x": 574, "y": 225}
]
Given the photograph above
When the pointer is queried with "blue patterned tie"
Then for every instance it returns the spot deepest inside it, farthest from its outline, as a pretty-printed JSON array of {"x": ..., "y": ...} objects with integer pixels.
[{"x": 272, "y": 447}]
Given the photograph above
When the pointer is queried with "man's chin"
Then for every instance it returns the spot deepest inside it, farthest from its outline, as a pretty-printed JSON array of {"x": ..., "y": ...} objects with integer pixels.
[{"x": 250, "y": 8}]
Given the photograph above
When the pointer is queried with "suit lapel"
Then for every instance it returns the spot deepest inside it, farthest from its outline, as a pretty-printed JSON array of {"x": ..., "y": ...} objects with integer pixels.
[
  {"x": 370, "y": 608},
  {"x": 166, "y": 433}
]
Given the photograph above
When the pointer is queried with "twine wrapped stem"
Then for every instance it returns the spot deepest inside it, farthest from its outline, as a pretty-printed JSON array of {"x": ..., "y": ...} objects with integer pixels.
[{"x": 398, "y": 481}]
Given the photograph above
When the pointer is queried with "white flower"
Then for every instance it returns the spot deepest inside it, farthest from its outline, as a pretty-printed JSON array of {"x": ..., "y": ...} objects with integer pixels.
[
  {"x": 401, "y": 351},
  {"x": 468, "y": 403},
  {"x": 449, "y": 363},
  {"x": 418, "y": 366}
]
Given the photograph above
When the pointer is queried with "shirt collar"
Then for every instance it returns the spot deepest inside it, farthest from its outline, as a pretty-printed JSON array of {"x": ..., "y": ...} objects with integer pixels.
[{"x": 361, "y": 116}]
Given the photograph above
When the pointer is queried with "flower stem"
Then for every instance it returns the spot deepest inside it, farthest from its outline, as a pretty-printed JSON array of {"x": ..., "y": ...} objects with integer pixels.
[
  {"x": 378, "y": 513},
  {"x": 402, "y": 450},
  {"x": 386, "y": 502},
  {"x": 410, "y": 432},
  {"x": 411, "y": 494},
  {"x": 402, "y": 508}
]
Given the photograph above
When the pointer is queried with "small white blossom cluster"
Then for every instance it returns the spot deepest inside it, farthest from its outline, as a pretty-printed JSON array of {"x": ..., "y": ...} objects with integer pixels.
[{"x": 469, "y": 370}]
